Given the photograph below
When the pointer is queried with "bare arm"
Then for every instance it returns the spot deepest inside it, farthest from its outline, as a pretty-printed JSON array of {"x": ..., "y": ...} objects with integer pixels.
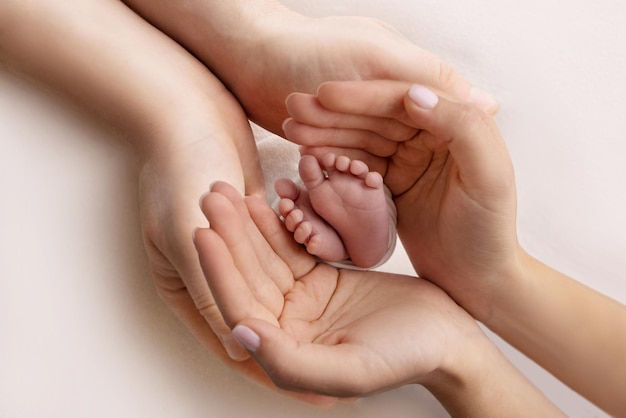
[
  {"x": 107, "y": 59},
  {"x": 488, "y": 385},
  {"x": 263, "y": 51},
  {"x": 455, "y": 192},
  {"x": 576, "y": 333},
  {"x": 185, "y": 127},
  {"x": 349, "y": 333}
]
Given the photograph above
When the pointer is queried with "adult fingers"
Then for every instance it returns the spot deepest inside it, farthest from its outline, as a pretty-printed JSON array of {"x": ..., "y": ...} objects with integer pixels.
[
  {"x": 206, "y": 324},
  {"x": 281, "y": 241},
  {"x": 182, "y": 286},
  {"x": 420, "y": 66},
  {"x": 336, "y": 111},
  {"x": 334, "y": 370},
  {"x": 240, "y": 292},
  {"x": 470, "y": 135},
  {"x": 340, "y": 137},
  {"x": 266, "y": 258},
  {"x": 380, "y": 98}
]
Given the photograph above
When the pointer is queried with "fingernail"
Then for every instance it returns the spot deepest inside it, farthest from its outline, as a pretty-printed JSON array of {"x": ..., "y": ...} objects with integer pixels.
[
  {"x": 423, "y": 97},
  {"x": 247, "y": 337},
  {"x": 284, "y": 124},
  {"x": 482, "y": 99},
  {"x": 233, "y": 348}
]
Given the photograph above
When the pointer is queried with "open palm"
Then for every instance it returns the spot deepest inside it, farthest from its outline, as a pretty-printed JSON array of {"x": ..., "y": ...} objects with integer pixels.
[
  {"x": 448, "y": 169},
  {"x": 339, "y": 332}
]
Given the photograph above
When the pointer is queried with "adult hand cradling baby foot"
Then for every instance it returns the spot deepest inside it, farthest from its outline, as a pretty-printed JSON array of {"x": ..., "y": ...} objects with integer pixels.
[{"x": 180, "y": 88}]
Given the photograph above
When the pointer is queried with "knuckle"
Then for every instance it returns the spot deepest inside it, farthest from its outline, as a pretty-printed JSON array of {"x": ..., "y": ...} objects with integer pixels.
[
  {"x": 445, "y": 75},
  {"x": 207, "y": 307},
  {"x": 471, "y": 117}
]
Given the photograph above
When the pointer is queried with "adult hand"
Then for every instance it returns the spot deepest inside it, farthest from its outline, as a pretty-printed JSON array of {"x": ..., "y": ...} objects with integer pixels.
[
  {"x": 447, "y": 167},
  {"x": 170, "y": 183},
  {"x": 344, "y": 332},
  {"x": 301, "y": 53},
  {"x": 455, "y": 191},
  {"x": 185, "y": 127},
  {"x": 338, "y": 332},
  {"x": 263, "y": 52}
]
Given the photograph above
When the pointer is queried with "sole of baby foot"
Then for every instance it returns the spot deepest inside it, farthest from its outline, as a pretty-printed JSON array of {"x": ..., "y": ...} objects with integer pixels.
[
  {"x": 308, "y": 228},
  {"x": 352, "y": 200}
]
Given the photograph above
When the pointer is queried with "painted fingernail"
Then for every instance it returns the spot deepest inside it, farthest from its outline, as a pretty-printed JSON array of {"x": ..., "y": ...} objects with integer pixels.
[
  {"x": 423, "y": 97},
  {"x": 247, "y": 337},
  {"x": 482, "y": 99}
]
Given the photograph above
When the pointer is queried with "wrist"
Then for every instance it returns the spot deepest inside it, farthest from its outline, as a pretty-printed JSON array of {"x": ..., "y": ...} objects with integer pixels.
[
  {"x": 196, "y": 112},
  {"x": 480, "y": 382},
  {"x": 255, "y": 50},
  {"x": 496, "y": 288},
  {"x": 232, "y": 32},
  {"x": 514, "y": 284},
  {"x": 456, "y": 383}
]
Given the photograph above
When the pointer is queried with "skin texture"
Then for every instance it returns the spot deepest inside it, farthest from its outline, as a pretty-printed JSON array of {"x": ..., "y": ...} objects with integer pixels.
[
  {"x": 340, "y": 212},
  {"x": 184, "y": 126},
  {"x": 455, "y": 192},
  {"x": 448, "y": 178},
  {"x": 348, "y": 333},
  {"x": 186, "y": 130},
  {"x": 263, "y": 52}
]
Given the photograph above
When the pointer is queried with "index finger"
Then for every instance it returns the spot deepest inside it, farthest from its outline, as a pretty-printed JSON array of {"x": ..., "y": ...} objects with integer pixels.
[{"x": 378, "y": 98}]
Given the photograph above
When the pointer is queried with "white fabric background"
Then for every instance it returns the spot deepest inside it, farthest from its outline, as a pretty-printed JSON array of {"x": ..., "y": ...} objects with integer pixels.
[{"x": 82, "y": 332}]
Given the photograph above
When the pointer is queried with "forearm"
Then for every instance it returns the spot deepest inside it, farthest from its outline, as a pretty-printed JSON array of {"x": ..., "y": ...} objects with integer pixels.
[
  {"x": 574, "y": 332},
  {"x": 108, "y": 60},
  {"x": 220, "y": 33},
  {"x": 257, "y": 48},
  {"x": 481, "y": 382}
]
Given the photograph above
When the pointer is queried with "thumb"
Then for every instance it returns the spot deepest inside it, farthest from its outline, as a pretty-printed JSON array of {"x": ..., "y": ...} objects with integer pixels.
[
  {"x": 443, "y": 77},
  {"x": 470, "y": 135},
  {"x": 335, "y": 370}
]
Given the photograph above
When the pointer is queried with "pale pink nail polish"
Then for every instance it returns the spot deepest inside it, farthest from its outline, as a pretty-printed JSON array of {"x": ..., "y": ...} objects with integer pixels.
[
  {"x": 247, "y": 337},
  {"x": 423, "y": 97}
]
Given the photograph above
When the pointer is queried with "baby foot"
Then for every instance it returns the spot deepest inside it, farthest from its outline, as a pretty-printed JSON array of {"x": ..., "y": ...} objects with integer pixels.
[
  {"x": 342, "y": 201},
  {"x": 309, "y": 229}
]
